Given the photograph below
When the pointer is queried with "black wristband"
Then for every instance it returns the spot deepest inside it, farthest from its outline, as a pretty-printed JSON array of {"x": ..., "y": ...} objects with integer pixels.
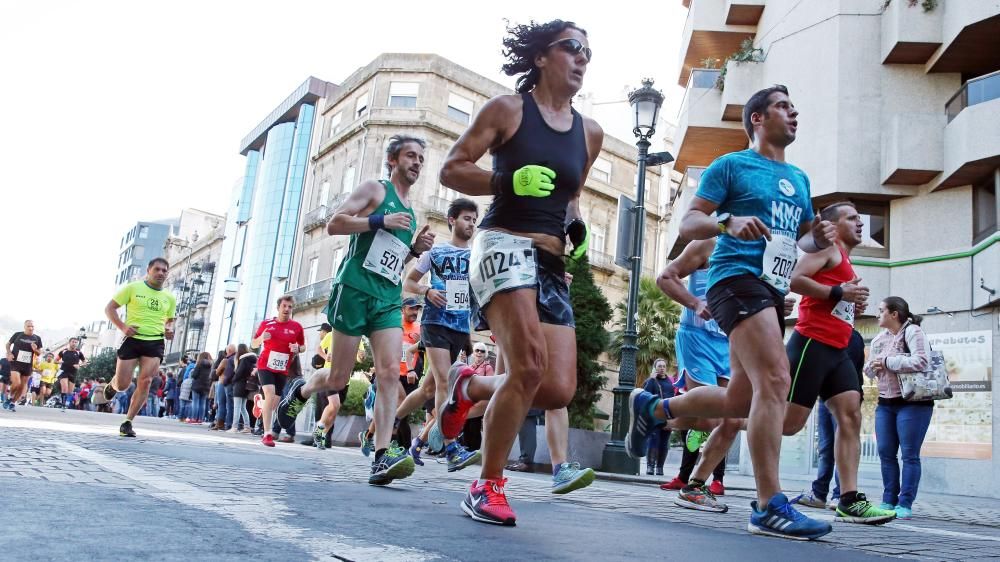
[
  {"x": 414, "y": 253},
  {"x": 836, "y": 293},
  {"x": 375, "y": 222}
]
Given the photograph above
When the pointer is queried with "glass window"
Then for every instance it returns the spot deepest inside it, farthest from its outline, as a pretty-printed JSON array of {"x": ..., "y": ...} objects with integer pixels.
[
  {"x": 984, "y": 209},
  {"x": 143, "y": 232},
  {"x": 403, "y": 94},
  {"x": 361, "y": 104},
  {"x": 140, "y": 252},
  {"x": 348, "y": 185},
  {"x": 337, "y": 256},
  {"x": 324, "y": 193},
  {"x": 459, "y": 108},
  {"x": 313, "y": 269},
  {"x": 597, "y": 238},
  {"x": 601, "y": 170},
  {"x": 875, "y": 232},
  {"x": 335, "y": 123}
]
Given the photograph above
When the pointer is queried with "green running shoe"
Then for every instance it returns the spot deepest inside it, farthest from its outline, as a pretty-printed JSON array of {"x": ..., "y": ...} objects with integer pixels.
[
  {"x": 863, "y": 511},
  {"x": 695, "y": 439},
  {"x": 319, "y": 437}
]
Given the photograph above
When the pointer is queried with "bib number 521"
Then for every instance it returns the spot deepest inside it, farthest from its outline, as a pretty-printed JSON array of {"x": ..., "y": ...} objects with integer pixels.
[{"x": 389, "y": 260}]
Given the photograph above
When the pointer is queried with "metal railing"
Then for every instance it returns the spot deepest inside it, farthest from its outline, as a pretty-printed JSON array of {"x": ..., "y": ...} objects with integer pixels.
[
  {"x": 975, "y": 91},
  {"x": 438, "y": 206},
  {"x": 601, "y": 260},
  {"x": 311, "y": 294}
]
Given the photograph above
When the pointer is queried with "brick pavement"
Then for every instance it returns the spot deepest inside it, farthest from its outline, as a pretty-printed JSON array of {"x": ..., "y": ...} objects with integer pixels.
[{"x": 190, "y": 455}]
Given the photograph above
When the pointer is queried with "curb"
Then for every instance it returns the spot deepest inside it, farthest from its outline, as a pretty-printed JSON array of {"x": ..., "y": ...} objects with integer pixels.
[{"x": 637, "y": 479}]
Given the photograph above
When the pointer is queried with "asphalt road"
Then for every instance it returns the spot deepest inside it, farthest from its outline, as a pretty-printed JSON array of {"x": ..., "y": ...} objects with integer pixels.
[{"x": 183, "y": 493}]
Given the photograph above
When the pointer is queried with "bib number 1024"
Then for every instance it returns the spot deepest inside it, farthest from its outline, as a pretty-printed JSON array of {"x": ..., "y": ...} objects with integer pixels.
[{"x": 499, "y": 263}]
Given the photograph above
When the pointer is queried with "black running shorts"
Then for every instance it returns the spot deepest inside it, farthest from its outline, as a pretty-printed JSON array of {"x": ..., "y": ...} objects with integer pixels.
[
  {"x": 440, "y": 337},
  {"x": 737, "y": 298},
  {"x": 132, "y": 348},
  {"x": 277, "y": 380},
  {"x": 818, "y": 370}
]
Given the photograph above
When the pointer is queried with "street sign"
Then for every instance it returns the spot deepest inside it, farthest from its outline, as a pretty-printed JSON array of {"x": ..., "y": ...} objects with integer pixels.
[{"x": 626, "y": 229}]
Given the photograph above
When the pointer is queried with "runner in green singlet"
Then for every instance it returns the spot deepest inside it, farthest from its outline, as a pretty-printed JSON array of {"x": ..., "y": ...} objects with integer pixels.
[{"x": 367, "y": 296}]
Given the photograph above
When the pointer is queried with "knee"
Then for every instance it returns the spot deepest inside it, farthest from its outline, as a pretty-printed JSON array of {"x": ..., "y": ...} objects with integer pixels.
[
  {"x": 526, "y": 372},
  {"x": 850, "y": 421}
]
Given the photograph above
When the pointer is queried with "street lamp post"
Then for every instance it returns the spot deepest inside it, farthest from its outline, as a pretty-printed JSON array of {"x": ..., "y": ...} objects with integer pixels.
[{"x": 645, "y": 104}]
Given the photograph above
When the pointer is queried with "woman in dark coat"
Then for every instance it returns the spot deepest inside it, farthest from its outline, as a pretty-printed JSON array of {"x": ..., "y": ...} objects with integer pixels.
[
  {"x": 201, "y": 382},
  {"x": 246, "y": 362}
]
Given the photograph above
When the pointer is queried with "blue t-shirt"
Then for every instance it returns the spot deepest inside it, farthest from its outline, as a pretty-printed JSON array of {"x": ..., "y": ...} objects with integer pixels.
[
  {"x": 447, "y": 263},
  {"x": 747, "y": 184}
]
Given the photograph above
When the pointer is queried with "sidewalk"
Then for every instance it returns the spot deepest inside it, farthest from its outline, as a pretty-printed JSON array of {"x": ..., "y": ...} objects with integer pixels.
[{"x": 968, "y": 510}]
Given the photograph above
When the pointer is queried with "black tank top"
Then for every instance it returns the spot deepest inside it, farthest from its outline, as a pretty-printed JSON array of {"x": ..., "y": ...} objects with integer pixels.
[{"x": 535, "y": 142}]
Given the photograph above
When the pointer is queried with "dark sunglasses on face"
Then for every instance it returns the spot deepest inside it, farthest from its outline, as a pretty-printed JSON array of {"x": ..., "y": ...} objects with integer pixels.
[{"x": 573, "y": 46}]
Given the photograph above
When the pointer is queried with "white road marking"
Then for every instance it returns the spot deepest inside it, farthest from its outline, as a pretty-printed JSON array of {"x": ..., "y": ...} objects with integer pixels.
[{"x": 257, "y": 513}]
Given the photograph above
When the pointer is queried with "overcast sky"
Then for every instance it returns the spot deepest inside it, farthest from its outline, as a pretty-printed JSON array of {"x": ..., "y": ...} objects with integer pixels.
[{"x": 116, "y": 112}]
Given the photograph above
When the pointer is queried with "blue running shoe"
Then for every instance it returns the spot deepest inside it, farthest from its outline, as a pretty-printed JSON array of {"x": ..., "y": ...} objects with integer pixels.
[
  {"x": 366, "y": 443},
  {"x": 394, "y": 464},
  {"x": 571, "y": 477},
  {"x": 780, "y": 519},
  {"x": 416, "y": 447},
  {"x": 290, "y": 406},
  {"x": 641, "y": 422},
  {"x": 459, "y": 457}
]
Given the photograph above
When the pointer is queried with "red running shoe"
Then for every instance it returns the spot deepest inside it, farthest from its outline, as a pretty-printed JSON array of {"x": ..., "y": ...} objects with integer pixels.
[
  {"x": 486, "y": 502},
  {"x": 717, "y": 488},
  {"x": 457, "y": 408},
  {"x": 675, "y": 484},
  {"x": 267, "y": 440},
  {"x": 257, "y": 401}
]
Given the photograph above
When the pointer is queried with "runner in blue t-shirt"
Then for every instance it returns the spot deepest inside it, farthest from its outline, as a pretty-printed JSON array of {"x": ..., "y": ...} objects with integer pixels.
[
  {"x": 762, "y": 215},
  {"x": 444, "y": 326}
]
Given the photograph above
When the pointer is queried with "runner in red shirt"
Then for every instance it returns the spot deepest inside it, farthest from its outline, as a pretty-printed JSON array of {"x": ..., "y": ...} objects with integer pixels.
[{"x": 282, "y": 338}]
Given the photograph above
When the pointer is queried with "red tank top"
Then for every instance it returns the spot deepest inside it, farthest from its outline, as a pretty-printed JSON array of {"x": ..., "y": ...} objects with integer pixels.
[{"x": 822, "y": 319}]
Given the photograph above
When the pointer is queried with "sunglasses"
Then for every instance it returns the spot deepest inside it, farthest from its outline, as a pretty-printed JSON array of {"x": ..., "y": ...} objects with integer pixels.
[
  {"x": 572, "y": 46},
  {"x": 479, "y": 351}
]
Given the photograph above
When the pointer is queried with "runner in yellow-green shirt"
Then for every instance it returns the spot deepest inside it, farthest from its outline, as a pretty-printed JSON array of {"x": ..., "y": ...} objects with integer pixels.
[
  {"x": 48, "y": 368},
  {"x": 149, "y": 319}
]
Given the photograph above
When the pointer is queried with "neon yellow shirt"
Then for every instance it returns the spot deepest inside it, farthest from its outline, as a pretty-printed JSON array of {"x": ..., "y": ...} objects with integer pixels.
[
  {"x": 326, "y": 344},
  {"x": 48, "y": 371},
  {"x": 146, "y": 308}
]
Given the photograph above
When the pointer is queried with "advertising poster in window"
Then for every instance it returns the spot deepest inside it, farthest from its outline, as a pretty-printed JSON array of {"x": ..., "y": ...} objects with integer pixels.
[{"x": 962, "y": 427}]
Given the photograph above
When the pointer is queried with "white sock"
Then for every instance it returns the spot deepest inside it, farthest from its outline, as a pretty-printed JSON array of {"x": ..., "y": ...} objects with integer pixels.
[{"x": 463, "y": 389}]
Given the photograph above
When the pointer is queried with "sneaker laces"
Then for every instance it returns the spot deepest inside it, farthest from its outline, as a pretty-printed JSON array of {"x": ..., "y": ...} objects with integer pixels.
[
  {"x": 790, "y": 512},
  {"x": 394, "y": 450},
  {"x": 495, "y": 493},
  {"x": 568, "y": 467}
]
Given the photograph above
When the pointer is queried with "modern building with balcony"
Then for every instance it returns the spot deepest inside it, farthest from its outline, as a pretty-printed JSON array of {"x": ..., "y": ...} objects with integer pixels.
[
  {"x": 899, "y": 113},
  {"x": 433, "y": 98},
  {"x": 263, "y": 220},
  {"x": 141, "y": 243}
]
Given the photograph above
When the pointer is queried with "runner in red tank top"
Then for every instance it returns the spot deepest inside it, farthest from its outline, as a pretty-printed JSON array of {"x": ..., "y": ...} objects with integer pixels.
[{"x": 817, "y": 355}]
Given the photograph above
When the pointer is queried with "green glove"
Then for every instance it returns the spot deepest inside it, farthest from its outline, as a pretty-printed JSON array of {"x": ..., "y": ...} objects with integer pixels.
[
  {"x": 533, "y": 181},
  {"x": 579, "y": 236}
]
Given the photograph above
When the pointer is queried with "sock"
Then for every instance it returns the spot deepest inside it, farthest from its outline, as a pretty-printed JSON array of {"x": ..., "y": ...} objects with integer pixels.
[
  {"x": 378, "y": 454},
  {"x": 320, "y": 426},
  {"x": 847, "y": 498},
  {"x": 451, "y": 447},
  {"x": 395, "y": 423},
  {"x": 555, "y": 468},
  {"x": 695, "y": 483},
  {"x": 463, "y": 389},
  {"x": 666, "y": 409}
]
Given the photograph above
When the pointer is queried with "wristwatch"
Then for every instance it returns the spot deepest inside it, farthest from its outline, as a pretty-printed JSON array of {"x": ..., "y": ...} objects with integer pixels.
[{"x": 722, "y": 219}]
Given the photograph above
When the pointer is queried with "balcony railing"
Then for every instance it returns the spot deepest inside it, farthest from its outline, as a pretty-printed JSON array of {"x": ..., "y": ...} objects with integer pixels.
[
  {"x": 311, "y": 294},
  {"x": 976, "y": 91},
  {"x": 315, "y": 218},
  {"x": 601, "y": 260},
  {"x": 438, "y": 207}
]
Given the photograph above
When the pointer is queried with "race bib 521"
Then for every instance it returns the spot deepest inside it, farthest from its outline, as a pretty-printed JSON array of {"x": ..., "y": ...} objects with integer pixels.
[{"x": 386, "y": 256}]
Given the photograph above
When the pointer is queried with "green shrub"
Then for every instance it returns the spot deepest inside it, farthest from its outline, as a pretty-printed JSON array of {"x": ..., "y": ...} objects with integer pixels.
[{"x": 355, "y": 403}]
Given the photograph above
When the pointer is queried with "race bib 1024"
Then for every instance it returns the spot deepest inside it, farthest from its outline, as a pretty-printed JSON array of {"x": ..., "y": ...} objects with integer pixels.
[{"x": 500, "y": 262}]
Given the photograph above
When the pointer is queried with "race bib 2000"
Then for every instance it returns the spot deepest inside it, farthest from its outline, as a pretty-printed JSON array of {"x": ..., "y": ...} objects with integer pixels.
[{"x": 779, "y": 259}]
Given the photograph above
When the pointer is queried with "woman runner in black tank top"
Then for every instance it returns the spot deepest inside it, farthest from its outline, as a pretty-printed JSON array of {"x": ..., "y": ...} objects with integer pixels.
[{"x": 542, "y": 151}]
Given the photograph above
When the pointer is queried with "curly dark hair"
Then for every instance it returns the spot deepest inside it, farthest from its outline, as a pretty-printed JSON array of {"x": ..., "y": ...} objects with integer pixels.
[{"x": 524, "y": 42}]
